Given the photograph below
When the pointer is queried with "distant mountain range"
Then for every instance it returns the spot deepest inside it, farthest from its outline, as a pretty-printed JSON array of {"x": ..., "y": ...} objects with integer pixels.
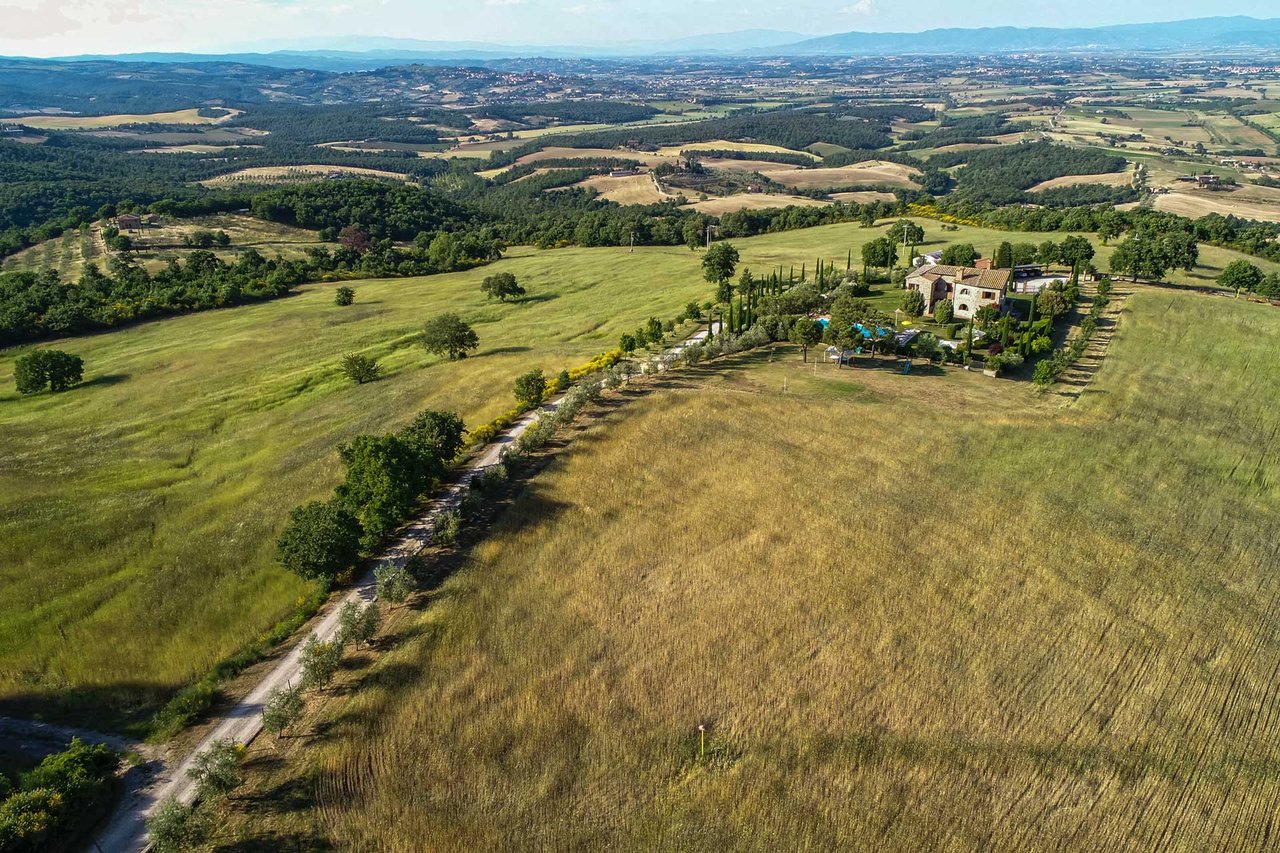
[
  {"x": 1214, "y": 34},
  {"x": 1204, "y": 35}
]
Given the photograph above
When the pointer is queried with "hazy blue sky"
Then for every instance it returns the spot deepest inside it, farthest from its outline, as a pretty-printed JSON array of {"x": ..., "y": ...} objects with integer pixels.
[{"x": 53, "y": 27}]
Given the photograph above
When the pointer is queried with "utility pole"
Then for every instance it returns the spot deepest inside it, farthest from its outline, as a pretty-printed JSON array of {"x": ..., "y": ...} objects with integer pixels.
[
  {"x": 633, "y": 242},
  {"x": 710, "y": 228}
]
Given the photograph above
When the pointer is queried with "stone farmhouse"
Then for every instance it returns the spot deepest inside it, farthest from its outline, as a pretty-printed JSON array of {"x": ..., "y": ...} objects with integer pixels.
[{"x": 968, "y": 288}]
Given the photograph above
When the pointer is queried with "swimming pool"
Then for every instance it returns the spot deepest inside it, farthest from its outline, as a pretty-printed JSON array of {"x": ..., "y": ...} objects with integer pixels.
[{"x": 880, "y": 331}]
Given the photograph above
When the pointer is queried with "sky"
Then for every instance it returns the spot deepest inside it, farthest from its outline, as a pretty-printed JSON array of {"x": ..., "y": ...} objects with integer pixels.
[{"x": 65, "y": 27}]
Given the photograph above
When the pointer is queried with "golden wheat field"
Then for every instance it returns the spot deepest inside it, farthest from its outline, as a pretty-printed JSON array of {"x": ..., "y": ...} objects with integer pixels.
[{"x": 926, "y": 612}]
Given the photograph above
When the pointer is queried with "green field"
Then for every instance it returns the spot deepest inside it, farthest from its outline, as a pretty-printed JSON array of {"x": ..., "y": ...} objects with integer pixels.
[
  {"x": 137, "y": 513},
  {"x": 942, "y": 612}
]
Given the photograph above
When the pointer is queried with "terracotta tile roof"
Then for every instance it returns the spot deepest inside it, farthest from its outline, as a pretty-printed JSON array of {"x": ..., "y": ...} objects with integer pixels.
[{"x": 991, "y": 279}]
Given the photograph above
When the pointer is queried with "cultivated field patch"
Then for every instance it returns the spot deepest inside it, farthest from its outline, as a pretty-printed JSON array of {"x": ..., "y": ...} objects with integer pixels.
[
  {"x": 71, "y": 122},
  {"x": 291, "y": 174},
  {"x": 870, "y": 172}
]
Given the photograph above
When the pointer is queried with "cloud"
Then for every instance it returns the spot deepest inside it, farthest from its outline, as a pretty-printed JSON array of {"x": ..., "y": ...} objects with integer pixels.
[
  {"x": 580, "y": 9},
  {"x": 505, "y": 2},
  {"x": 862, "y": 7},
  {"x": 46, "y": 19}
]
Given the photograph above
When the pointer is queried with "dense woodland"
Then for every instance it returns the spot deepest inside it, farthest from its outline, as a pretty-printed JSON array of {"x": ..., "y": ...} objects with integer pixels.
[
  {"x": 1002, "y": 175},
  {"x": 570, "y": 112}
]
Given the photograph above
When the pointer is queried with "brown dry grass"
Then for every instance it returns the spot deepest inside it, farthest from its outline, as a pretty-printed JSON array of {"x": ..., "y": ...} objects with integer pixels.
[
  {"x": 1110, "y": 179},
  {"x": 635, "y": 189},
  {"x": 871, "y": 172},
  {"x": 1249, "y": 202},
  {"x": 752, "y": 201},
  {"x": 285, "y": 174},
  {"x": 915, "y": 613},
  {"x": 68, "y": 122}
]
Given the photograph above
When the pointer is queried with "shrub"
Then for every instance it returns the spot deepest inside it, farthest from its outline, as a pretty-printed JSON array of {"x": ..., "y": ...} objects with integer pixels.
[
  {"x": 320, "y": 661},
  {"x": 344, "y": 296},
  {"x": 448, "y": 527},
  {"x": 58, "y": 370},
  {"x": 913, "y": 302},
  {"x": 531, "y": 388},
  {"x": 943, "y": 312},
  {"x": 65, "y": 793},
  {"x": 28, "y": 818},
  {"x": 320, "y": 541},
  {"x": 359, "y": 368},
  {"x": 1046, "y": 372},
  {"x": 393, "y": 583}
]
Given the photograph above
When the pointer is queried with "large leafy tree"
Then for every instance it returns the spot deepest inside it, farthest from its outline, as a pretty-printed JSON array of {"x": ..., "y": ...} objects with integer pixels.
[
  {"x": 881, "y": 252},
  {"x": 1075, "y": 251},
  {"x": 385, "y": 478},
  {"x": 435, "y": 439},
  {"x": 501, "y": 286},
  {"x": 805, "y": 333},
  {"x": 449, "y": 335},
  {"x": 47, "y": 367},
  {"x": 719, "y": 263},
  {"x": 959, "y": 255},
  {"x": 320, "y": 541},
  {"x": 1240, "y": 275}
]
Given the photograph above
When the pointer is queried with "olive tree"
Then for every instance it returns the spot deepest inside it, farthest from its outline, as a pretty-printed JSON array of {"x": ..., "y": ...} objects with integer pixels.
[
  {"x": 393, "y": 583},
  {"x": 320, "y": 662},
  {"x": 282, "y": 709},
  {"x": 216, "y": 771}
]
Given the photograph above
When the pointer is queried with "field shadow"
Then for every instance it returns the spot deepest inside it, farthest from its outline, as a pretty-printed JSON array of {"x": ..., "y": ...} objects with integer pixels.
[
  {"x": 106, "y": 380},
  {"x": 274, "y": 842},
  {"x": 537, "y": 297},
  {"x": 503, "y": 351},
  {"x": 124, "y": 708}
]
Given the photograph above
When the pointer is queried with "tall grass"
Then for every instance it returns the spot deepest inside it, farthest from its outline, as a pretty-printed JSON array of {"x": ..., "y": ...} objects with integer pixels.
[
  {"x": 913, "y": 613},
  {"x": 137, "y": 513}
]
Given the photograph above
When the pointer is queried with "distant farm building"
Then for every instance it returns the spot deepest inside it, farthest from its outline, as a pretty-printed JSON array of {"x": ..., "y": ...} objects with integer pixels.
[{"x": 128, "y": 222}]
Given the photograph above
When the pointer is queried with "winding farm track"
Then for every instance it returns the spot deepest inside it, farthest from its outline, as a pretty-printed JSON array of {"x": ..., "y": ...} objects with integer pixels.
[{"x": 127, "y": 829}]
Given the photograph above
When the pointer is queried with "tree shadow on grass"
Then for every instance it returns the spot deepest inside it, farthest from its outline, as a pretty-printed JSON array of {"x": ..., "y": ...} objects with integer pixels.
[
  {"x": 536, "y": 298},
  {"x": 106, "y": 379},
  {"x": 272, "y": 842},
  {"x": 503, "y": 351}
]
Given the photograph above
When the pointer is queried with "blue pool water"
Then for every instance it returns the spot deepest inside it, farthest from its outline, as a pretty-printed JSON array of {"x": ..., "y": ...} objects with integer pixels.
[{"x": 861, "y": 328}]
